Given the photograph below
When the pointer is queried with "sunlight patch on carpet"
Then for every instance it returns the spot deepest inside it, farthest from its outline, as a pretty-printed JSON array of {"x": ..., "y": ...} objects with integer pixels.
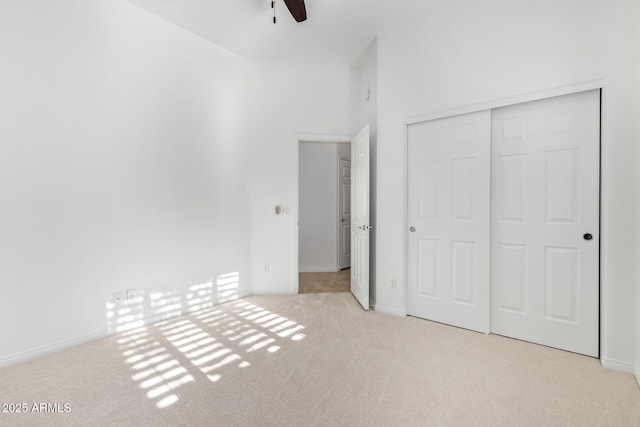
[{"x": 194, "y": 338}]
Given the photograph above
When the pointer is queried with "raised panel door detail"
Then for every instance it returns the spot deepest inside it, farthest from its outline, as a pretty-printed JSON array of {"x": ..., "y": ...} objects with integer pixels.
[
  {"x": 513, "y": 129},
  {"x": 426, "y": 136},
  {"x": 561, "y": 186},
  {"x": 361, "y": 269},
  {"x": 427, "y": 189},
  {"x": 463, "y": 194},
  {"x": 360, "y": 176},
  {"x": 346, "y": 232},
  {"x": 427, "y": 267},
  {"x": 346, "y": 199},
  {"x": 561, "y": 284},
  {"x": 558, "y": 123},
  {"x": 431, "y": 138},
  {"x": 511, "y": 278},
  {"x": 511, "y": 179},
  {"x": 465, "y": 133},
  {"x": 358, "y": 243},
  {"x": 463, "y": 272}
]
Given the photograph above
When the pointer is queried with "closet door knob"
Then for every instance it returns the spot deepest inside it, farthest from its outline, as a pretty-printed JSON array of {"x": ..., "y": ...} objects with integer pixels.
[
  {"x": 412, "y": 229},
  {"x": 587, "y": 236}
]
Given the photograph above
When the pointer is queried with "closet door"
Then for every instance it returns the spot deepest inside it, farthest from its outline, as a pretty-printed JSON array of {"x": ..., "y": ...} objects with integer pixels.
[
  {"x": 448, "y": 220},
  {"x": 545, "y": 222}
]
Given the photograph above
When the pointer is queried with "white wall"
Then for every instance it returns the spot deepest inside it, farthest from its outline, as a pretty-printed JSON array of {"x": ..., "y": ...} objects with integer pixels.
[
  {"x": 467, "y": 52},
  {"x": 637, "y": 145},
  {"x": 122, "y": 165},
  {"x": 364, "y": 110},
  {"x": 318, "y": 207},
  {"x": 286, "y": 100}
]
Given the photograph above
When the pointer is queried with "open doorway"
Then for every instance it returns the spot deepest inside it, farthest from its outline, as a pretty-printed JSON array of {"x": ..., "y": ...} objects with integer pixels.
[{"x": 324, "y": 222}]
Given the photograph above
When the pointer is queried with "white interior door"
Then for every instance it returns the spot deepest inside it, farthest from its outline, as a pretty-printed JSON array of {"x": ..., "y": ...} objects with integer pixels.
[
  {"x": 360, "y": 217},
  {"x": 344, "y": 213},
  {"x": 448, "y": 216},
  {"x": 545, "y": 222}
]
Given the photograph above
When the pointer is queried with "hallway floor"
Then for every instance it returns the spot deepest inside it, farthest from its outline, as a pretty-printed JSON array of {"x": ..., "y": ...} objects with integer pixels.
[{"x": 313, "y": 283}]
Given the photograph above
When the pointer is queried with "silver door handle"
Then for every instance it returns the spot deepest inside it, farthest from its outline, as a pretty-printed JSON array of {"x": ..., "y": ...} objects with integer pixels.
[{"x": 365, "y": 227}]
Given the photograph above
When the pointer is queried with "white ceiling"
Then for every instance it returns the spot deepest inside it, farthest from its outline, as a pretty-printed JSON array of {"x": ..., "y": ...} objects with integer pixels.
[{"x": 336, "y": 31}]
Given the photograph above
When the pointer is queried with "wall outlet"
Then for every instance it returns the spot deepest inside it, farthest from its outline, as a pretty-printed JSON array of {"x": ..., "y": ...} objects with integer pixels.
[
  {"x": 117, "y": 297},
  {"x": 267, "y": 267},
  {"x": 394, "y": 283},
  {"x": 132, "y": 293}
]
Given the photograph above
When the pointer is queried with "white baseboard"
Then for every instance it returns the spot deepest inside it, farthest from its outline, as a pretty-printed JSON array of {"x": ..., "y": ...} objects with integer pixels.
[
  {"x": 318, "y": 269},
  {"x": 618, "y": 365},
  {"x": 65, "y": 344},
  {"x": 50, "y": 348},
  {"x": 390, "y": 310}
]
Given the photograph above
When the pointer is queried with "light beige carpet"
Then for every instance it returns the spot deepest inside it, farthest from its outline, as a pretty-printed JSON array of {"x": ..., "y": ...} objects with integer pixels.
[{"x": 316, "y": 360}]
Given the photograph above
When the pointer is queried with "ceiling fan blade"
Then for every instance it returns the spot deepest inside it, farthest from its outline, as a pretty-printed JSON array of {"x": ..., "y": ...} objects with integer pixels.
[{"x": 297, "y": 9}]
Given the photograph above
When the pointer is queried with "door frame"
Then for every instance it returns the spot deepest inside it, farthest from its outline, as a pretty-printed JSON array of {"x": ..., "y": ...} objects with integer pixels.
[
  {"x": 302, "y": 138},
  {"x": 604, "y": 172}
]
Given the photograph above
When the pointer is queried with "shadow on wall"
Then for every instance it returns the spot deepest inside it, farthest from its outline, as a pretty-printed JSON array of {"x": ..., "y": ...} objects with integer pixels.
[{"x": 169, "y": 355}]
